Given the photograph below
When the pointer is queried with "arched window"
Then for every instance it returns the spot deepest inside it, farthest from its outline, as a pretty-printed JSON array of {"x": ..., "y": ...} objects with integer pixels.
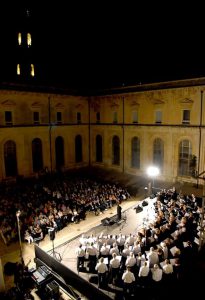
[
  {"x": 19, "y": 38},
  {"x": 29, "y": 41},
  {"x": 116, "y": 150},
  {"x": 78, "y": 149},
  {"x": 18, "y": 69},
  {"x": 185, "y": 156},
  {"x": 99, "y": 148},
  {"x": 158, "y": 153},
  {"x": 10, "y": 161},
  {"x": 135, "y": 163},
  {"x": 37, "y": 155},
  {"x": 32, "y": 70},
  {"x": 59, "y": 147}
]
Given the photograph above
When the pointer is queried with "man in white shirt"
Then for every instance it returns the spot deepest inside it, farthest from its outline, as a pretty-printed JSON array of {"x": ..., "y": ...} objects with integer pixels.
[
  {"x": 156, "y": 274},
  {"x": 131, "y": 262},
  {"x": 92, "y": 257},
  {"x": 144, "y": 274},
  {"x": 80, "y": 257},
  {"x": 114, "y": 268},
  {"x": 152, "y": 257},
  {"x": 167, "y": 268},
  {"x": 128, "y": 278},
  {"x": 102, "y": 269}
]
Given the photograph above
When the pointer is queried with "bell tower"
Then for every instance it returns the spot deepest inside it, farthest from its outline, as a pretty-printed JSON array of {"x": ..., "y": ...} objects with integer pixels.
[{"x": 25, "y": 64}]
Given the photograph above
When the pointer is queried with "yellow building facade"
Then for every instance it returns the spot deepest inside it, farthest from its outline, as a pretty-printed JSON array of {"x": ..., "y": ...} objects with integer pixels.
[{"x": 126, "y": 129}]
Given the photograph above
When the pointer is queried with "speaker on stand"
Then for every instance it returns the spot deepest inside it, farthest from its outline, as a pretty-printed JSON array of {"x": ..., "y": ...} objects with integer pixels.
[{"x": 52, "y": 235}]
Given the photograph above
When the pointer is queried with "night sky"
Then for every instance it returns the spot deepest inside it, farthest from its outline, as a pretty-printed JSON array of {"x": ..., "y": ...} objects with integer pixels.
[{"x": 96, "y": 46}]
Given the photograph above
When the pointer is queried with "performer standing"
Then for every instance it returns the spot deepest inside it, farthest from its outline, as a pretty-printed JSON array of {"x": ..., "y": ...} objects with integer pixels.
[{"x": 119, "y": 212}]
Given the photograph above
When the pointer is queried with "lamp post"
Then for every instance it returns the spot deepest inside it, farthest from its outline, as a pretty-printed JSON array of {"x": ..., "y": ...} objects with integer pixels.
[
  {"x": 152, "y": 172},
  {"x": 19, "y": 234}
]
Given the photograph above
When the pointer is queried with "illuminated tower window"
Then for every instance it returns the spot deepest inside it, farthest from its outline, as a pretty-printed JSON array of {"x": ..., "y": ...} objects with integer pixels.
[
  {"x": 19, "y": 38},
  {"x": 29, "y": 41},
  {"x": 28, "y": 13},
  {"x": 18, "y": 69},
  {"x": 32, "y": 70}
]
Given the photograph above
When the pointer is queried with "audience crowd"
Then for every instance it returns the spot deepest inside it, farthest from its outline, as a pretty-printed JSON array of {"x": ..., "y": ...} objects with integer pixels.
[{"x": 46, "y": 204}]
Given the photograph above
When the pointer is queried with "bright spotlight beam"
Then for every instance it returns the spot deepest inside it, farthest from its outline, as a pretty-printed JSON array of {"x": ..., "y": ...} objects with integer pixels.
[{"x": 152, "y": 171}]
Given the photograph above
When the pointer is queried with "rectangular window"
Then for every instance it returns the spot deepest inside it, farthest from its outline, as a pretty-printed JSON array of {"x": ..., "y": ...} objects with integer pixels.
[
  {"x": 59, "y": 117},
  {"x": 134, "y": 117},
  {"x": 158, "y": 117},
  {"x": 186, "y": 116},
  {"x": 8, "y": 118},
  {"x": 115, "y": 117},
  {"x": 36, "y": 117},
  {"x": 78, "y": 117},
  {"x": 98, "y": 117}
]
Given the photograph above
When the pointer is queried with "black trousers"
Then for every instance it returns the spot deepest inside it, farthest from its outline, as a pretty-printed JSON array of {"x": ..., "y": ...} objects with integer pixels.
[{"x": 102, "y": 279}]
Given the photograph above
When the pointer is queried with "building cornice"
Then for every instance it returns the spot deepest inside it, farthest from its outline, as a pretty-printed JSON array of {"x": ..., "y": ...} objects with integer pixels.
[{"x": 142, "y": 87}]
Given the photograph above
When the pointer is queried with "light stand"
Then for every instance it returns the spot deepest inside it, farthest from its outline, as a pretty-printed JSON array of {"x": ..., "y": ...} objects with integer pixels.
[
  {"x": 55, "y": 254},
  {"x": 152, "y": 172},
  {"x": 19, "y": 235}
]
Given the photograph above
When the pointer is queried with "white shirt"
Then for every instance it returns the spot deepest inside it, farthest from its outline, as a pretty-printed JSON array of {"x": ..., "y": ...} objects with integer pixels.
[
  {"x": 115, "y": 263},
  {"x": 144, "y": 271},
  {"x": 114, "y": 250},
  {"x": 168, "y": 269},
  {"x": 157, "y": 274},
  {"x": 130, "y": 261},
  {"x": 153, "y": 258},
  {"x": 104, "y": 250},
  {"x": 128, "y": 277},
  {"x": 80, "y": 252},
  {"x": 101, "y": 267},
  {"x": 92, "y": 250}
]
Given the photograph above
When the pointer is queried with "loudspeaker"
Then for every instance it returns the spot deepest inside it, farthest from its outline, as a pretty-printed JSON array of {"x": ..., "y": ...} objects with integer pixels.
[
  {"x": 138, "y": 209},
  {"x": 93, "y": 279},
  {"x": 105, "y": 221},
  {"x": 51, "y": 233}
]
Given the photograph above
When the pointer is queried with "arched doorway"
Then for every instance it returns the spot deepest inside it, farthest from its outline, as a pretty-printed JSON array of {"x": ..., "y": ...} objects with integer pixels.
[
  {"x": 135, "y": 163},
  {"x": 116, "y": 150},
  {"x": 10, "y": 161},
  {"x": 158, "y": 153},
  {"x": 99, "y": 148},
  {"x": 59, "y": 150},
  {"x": 78, "y": 149},
  {"x": 37, "y": 155}
]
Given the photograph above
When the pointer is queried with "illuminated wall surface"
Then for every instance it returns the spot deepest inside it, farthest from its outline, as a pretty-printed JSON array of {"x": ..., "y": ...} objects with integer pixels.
[{"x": 126, "y": 130}]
